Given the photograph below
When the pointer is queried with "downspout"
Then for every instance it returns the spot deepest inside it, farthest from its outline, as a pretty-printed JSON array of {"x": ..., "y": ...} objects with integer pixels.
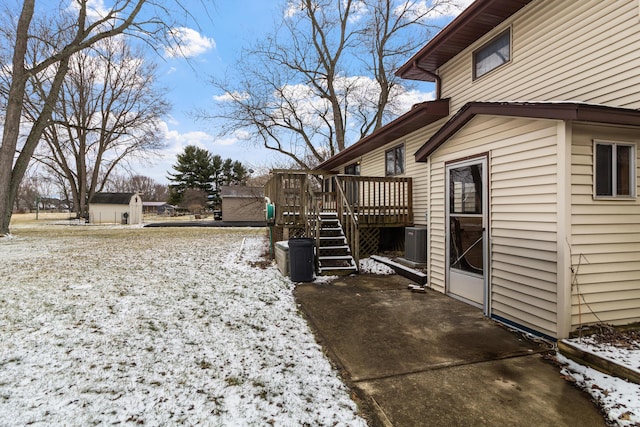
[{"x": 431, "y": 74}]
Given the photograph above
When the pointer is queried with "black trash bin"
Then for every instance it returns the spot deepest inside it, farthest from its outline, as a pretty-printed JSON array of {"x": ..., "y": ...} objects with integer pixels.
[{"x": 301, "y": 259}]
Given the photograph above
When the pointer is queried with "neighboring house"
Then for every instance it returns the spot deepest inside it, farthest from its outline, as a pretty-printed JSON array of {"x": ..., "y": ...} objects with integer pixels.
[
  {"x": 157, "y": 208},
  {"x": 524, "y": 169},
  {"x": 115, "y": 208},
  {"x": 242, "y": 204}
]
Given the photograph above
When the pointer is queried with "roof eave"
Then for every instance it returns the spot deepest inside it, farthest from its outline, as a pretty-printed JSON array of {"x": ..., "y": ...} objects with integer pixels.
[
  {"x": 567, "y": 111},
  {"x": 419, "y": 116},
  {"x": 475, "y": 21}
]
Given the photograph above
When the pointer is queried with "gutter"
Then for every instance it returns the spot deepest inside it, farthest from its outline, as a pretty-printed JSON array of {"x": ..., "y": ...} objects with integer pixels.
[{"x": 435, "y": 77}]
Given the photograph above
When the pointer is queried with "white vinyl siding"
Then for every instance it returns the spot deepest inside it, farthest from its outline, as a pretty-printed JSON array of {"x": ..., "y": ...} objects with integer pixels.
[
  {"x": 605, "y": 240},
  {"x": 589, "y": 54},
  {"x": 523, "y": 219}
]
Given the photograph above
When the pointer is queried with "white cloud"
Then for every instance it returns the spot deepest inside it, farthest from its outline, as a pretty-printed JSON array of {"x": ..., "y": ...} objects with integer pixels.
[
  {"x": 405, "y": 100},
  {"x": 176, "y": 141},
  {"x": 358, "y": 11},
  {"x": 231, "y": 96},
  {"x": 226, "y": 141},
  {"x": 95, "y": 9},
  {"x": 238, "y": 136},
  {"x": 188, "y": 43},
  {"x": 292, "y": 9},
  {"x": 433, "y": 9}
]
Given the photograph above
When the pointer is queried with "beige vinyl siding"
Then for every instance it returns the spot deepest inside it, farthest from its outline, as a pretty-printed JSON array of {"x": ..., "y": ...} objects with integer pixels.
[
  {"x": 605, "y": 240},
  {"x": 523, "y": 221},
  {"x": 436, "y": 233},
  {"x": 583, "y": 51},
  {"x": 373, "y": 164},
  {"x": 236, "y": 209}
]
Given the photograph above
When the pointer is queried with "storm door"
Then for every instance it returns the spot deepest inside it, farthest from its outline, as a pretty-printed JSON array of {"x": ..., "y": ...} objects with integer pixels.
[{"x": 467, "y": 247}]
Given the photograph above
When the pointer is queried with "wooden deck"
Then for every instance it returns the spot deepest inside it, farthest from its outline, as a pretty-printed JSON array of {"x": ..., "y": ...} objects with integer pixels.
[
  {"x": 362, "y": 204},
  {"x": 373, "y": 201}
]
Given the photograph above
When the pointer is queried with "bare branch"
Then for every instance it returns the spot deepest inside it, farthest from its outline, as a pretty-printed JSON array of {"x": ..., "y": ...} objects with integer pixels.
[{"x": 324, "y": 78}]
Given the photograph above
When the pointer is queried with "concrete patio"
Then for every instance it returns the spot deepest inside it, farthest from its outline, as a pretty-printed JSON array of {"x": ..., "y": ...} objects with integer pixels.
[{"x": 425, "y": 359}]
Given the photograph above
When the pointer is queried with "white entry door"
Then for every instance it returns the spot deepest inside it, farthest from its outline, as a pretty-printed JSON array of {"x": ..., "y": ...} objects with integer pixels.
[{"x": 467, "y": 246}]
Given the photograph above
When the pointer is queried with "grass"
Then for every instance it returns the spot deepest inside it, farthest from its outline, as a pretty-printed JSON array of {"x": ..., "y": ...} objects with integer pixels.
[
  {"x": 50, "y": 225},
  {"x": 166, "y": 326}
]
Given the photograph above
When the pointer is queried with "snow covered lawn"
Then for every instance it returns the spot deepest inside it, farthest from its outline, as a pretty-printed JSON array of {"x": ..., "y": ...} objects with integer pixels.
[{"x": 158, "y": 327}]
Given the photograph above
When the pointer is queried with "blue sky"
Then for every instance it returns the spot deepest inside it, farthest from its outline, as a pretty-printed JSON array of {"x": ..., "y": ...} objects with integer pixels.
[
  {"x": 222, "y": 31},
  {"x": 215, "y": 43}
]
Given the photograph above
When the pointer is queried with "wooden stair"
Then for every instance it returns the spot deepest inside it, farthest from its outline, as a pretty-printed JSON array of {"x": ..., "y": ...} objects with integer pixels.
[{"x": 334, "y": 254}]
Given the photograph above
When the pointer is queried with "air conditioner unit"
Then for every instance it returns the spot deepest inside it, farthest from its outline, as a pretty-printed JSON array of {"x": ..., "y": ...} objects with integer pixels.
[{"x": 415, "y": 244}]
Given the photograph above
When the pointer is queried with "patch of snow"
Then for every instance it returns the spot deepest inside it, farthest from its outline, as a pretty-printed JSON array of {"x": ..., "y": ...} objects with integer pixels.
[
  {"x": 323, "y": 280},
  {"x": 367, "y": 265},
  {"x": 154, "y": 327},
  {"x": 622, "y": 356},
  {"x": 619, "y": 399}
]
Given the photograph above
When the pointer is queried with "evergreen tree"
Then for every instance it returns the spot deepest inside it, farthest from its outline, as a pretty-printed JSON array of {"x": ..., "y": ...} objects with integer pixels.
[
  {"x": 198, "y": 169},
  {"x": 194, "y": 170}
]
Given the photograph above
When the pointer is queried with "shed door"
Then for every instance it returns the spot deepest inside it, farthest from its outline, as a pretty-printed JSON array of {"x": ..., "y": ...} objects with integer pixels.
[{"x": 467, "y": 232}]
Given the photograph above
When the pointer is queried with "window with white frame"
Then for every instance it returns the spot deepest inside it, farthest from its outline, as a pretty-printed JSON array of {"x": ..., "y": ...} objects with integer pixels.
[
  {"x": 614, "y": 169},
  {"x": 492, "y": 55},
  {"x": 394, "y": 161}
]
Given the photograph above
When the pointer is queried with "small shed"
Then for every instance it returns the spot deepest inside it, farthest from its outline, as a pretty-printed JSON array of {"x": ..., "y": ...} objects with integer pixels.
[
  {"x": 115, "y": 208},
  {"x": 242, "y": 204}
]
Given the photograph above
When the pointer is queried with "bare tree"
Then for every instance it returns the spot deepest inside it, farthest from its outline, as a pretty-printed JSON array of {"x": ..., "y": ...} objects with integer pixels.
[
  {"x": 75, "y": 26},
  {"x": 325, "y": 77},
  {"x": 27, "y": 194},
  {"x": 195, "y": 200},
  {"x": 147, "y": 187},
  {"x": 108, "y": 112}
]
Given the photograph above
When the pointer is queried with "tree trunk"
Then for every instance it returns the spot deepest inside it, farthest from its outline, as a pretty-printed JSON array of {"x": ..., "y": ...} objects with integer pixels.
[
  {"x": 12, "y": 118},
  {"x": 22, "y": 162}
]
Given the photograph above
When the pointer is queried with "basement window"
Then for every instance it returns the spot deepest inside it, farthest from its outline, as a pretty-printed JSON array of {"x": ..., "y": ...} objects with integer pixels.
[
  {"x": 492, "y": 55},
  {"x": 614, "y": 169}
]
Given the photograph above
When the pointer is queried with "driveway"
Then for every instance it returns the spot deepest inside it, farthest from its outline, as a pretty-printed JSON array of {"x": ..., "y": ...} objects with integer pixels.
[{"x": 424, "y": 359}]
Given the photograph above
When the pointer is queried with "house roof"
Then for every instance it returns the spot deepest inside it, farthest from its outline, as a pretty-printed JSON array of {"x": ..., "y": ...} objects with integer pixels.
[
  {"x": 574, "y": 111},
  {"x": 241, "y": 191},
  {"x": 474, "y": 22},
  {"x": 112, "y": 198},
  {"x": 419, "y": 116}
]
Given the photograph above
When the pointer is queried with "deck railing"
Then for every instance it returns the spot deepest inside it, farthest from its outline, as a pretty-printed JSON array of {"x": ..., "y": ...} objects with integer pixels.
[
  {"x": 294, "y": 195},
  {"x": 359, "y": 201},
  {"x": 349, "y": 222},
  {"x": 376, "y": 201}
]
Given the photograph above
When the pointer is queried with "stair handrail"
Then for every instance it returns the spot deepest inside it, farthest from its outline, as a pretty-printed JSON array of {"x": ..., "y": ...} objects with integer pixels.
[
  {"x": 311, "y": 213},
  {"x": 349, "y": 223}
]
